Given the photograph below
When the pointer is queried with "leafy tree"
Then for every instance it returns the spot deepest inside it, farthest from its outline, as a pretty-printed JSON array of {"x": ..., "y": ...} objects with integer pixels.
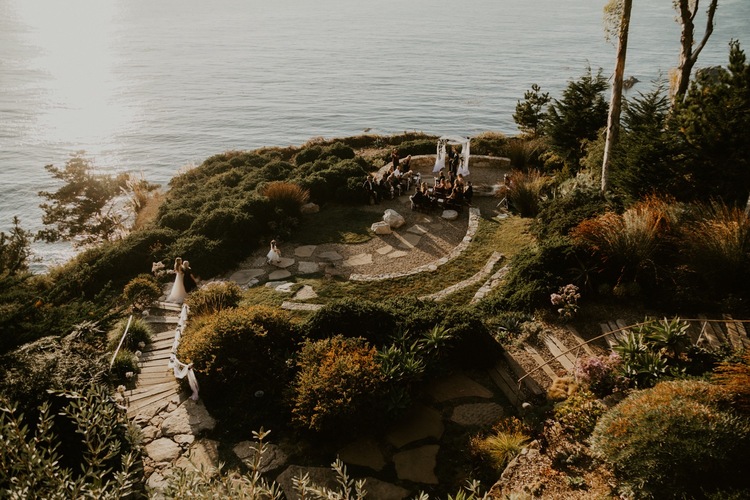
[
  {"x": 83, "y": 210},
  {"x": 14, "y": 250},
  {"x": 577, "y": 117},
  {"x": 711, "y": 124},
  {"x": 689, "y": 51},
  {"x": 530, "y": 115}
]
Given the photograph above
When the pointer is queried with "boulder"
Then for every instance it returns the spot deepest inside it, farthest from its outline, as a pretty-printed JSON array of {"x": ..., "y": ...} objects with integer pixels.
[
  {"x": 450, "y": 215},
  {"x": 190, "y": 418},
  {"x": 163, "y": 450},
  {"x": 394, "y": 219},
  {"x": 381, "y": 228},
  {"x": 309, "y": 208}
]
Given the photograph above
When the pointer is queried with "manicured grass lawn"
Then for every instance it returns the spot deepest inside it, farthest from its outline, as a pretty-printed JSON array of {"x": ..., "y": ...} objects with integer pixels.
[
  {"x": 507, "y": 236},
  {"x": 336, "y": 224}
]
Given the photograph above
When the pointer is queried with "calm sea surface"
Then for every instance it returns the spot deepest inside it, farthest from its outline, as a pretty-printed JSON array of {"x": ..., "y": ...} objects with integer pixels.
[{"x": 155, "y": 85}]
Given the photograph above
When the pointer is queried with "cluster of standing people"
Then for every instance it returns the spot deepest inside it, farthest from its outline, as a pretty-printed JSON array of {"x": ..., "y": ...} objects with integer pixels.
[{"x": 184, "y": 281}]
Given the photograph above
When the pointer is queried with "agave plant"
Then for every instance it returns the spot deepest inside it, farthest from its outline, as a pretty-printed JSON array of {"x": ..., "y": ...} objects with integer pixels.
[{"x": 670, "y": 335}]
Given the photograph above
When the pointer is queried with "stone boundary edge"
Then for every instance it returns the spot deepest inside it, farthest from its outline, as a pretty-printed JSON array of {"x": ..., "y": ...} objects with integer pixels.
[{"x": 432, "y": 266}]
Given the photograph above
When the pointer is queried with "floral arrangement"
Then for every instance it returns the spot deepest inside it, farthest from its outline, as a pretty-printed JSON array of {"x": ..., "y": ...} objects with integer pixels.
[{"x": 566, "y": 300}]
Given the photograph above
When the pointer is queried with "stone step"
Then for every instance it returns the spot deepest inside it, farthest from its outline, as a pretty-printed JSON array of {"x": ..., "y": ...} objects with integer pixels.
[
  {"x": 558, "y": 352},
  {"x": 145, "y": 379},
  {"x": 504, "y": 381},
  {"x": 162, "y": 320},
  {"x": 530, "y": 384},
  {"x": 159, "y": 345},
  {"x": 540, "y": 361},
  {"x": 148, "y": 389},
  {"x": 141, "y": 406},
  {"x": 167, "y": 306},
  {"x": 141, "y": 400},
  {"x": 300, "y": 306},
  {"x": 577, "y": 336},
  {"x": 156, "y": 355},
  {"x": 155, "y": 366},
  {"x": 707, "y": 330},
  {"x": 736, "y": 333}
]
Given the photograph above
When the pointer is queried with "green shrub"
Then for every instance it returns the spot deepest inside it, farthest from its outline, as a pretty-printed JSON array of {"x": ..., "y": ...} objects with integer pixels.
[
  {"x": 125, "y": 368},
  {"x": 339, "y": 150},
  {"x": 214, "y": 297},
  {"x": 237, "y": 352},
  {"x": 675, "y": 440},
  {"x": 535, "y": 274},
  {"x": 179, "y": 220},
  {"x": 472, "y": 344},
  {"x": 506, "y": 441},
  {"x": 206, "y": 256},
  {"x": 308, "y": 155},
  {"x": 97, "y": 458},
  {"x": 352, "y": 318},
  {"x": 139, "y": 332},
  {"x": 561, "y": 214},
  {"x": 413, "y": 314},
  {"x": 579, "y": 413},
  {"x": 489, "y": 143},
  {"x": 141, "y": 291},
  {"x": 338, "y": 386},
  {"x": 716, "y": 246},
  {"x": 526, "y": 190}
]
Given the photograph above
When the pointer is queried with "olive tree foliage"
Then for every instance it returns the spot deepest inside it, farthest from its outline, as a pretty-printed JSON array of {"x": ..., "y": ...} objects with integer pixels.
[
  {"x": 689, "y": 51},
  {"x": 90, "y": 207},
  {"x": 530, "y": 114}
]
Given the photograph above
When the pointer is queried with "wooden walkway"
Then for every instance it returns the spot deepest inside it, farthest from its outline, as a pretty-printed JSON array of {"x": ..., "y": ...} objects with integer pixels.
[
  {"x": 156, "y": 384},
  {"x": 711, "y": 333},
  {"x": 523, "y": 374}
]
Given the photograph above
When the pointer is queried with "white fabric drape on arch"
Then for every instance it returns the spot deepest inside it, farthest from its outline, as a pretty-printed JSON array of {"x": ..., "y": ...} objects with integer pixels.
[
  {"x": 446, "y": 140},
  {"x": 180, "y": 369}
]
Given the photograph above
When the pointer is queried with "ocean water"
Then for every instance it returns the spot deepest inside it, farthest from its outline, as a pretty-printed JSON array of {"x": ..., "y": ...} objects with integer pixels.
[{"x": 153, "y": 86}]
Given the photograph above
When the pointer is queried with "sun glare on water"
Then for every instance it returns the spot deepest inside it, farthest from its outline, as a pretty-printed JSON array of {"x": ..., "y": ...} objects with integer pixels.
[{"x": 75, "y": 44}]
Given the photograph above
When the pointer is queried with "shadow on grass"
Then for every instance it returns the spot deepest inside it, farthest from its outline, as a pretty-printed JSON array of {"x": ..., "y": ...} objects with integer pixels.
[{"x": 335, "y": 224}]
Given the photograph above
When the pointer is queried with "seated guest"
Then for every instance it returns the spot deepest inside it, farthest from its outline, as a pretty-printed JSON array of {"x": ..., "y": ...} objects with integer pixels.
[
  {"x": 468, "y": 192},
  {"x": 406, "y": 164},
  {"x": 372, "y": 190},
  {"x": 460, "y": 181},
  {"x": 419, "y": 200},
  {"x": 455, "y": 199},
  {"x": 394, "y": 158}
]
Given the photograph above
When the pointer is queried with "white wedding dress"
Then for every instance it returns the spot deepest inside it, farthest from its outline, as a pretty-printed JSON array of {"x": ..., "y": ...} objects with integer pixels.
[{"x": 178, "y": 293}]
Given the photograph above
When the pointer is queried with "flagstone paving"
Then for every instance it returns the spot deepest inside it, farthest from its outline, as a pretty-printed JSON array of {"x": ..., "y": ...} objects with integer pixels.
[
  {"x": 305, "y": 251},
  {"x": 279, "y": 275}
]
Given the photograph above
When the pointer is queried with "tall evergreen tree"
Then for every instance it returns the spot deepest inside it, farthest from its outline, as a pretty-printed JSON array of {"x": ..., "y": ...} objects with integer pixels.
[{"x": 577, "y": 117}]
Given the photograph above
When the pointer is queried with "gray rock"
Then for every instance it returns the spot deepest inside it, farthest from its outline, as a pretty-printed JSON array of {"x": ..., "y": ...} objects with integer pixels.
[
  {"x": 384, "y": 250},
  {"x": 284, "y": 262},
  {"x": 361, "y": 259},
  {"x": 308, "y": 267},
  {"x": 381, "y": 228},
  {"x": 393, "y": 218},
  {"x": 478, "y": 414},
  {"x": 320, "y": 476},
  {"x": 365, "y": 452},
  {"x": 380, "y": 490},
  {"x": 419, "y": 422},
  {"x": 184, "y": 439},
  {"x": 309, "y": 208},
  {"x": 273, "y": 457},
  {"x": 305, "y": 251},
  {"x": 330, "y": 256},
  {"x": 449, "y": 215},
  {"x": 244, "y": 276},
  {"x": 305, "y": 293},
  {"x": 149, "y": 433},
  {"x": 417, "y": 229},
  {"x": 191, "y": 417},
  {"x": 163, "y": 450},
  {"x": 203, "y": 455},
  {"x": 156, "y": 482},
  {"x": 418, "y": 464},
  {"x": 279, "y": 275},
  {"x": 457, "y": 386}
]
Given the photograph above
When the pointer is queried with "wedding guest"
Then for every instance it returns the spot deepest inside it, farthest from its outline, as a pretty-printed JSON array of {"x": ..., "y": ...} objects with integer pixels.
[
  {"x": 274, "y": 254},
  {"x": 178, "y": 293},
  {"x": 372, "y": 190}
]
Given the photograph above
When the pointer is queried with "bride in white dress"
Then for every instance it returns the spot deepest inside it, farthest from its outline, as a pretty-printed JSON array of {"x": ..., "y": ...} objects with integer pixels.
[{"x": 178, "y": 292}]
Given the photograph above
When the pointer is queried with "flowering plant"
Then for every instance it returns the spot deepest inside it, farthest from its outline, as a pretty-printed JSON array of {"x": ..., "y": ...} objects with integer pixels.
[{"x": 566, "y": 299}]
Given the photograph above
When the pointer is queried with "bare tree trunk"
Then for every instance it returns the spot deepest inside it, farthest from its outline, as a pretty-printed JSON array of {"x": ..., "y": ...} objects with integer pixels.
[
  {"x": 688, "y": 9},
  {"x": 615, "y": 103}
]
